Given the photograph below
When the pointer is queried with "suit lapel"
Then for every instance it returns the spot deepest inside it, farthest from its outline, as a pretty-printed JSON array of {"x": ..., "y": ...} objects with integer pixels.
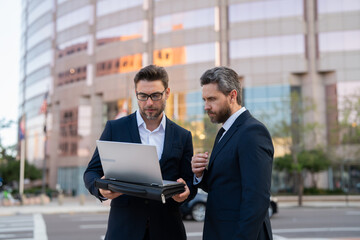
[
  {"x": 168, "y": 141},
  {"x": 238, "y": 122},
  {"x": 133, "y": 129}
]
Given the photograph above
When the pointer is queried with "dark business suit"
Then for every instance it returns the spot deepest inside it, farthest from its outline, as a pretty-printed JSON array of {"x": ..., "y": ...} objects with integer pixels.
[
  {"x": 238, "y": 183},
  {"x": 129, "y": 215}
]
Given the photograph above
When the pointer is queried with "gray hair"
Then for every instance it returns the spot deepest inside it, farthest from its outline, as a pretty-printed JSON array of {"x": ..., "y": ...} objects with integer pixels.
[{"x": 226, "y": 79}]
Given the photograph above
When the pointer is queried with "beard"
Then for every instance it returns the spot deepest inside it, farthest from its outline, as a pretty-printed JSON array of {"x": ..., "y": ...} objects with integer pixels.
[
  {"x": 155, "y": 114},
  {"x": 221, "y": 116}
]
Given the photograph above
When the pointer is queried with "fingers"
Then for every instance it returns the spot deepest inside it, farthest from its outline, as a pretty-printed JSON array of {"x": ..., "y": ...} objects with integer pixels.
[
  {"x": 107, "y": 193},
  {"x": 199, "y": 162},
  {"x": 184, "y": 195}
]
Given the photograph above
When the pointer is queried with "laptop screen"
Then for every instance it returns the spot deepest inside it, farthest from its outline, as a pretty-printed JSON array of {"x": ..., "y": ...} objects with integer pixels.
[{"x": 130, "y": 162}]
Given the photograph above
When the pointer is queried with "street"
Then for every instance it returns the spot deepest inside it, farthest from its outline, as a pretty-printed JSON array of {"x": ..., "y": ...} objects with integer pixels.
[{"x": 290, "y": 223}]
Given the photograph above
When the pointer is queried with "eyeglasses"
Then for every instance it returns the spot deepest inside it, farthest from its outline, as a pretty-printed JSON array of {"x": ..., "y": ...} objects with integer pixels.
[{"x": 156, "y": 96}]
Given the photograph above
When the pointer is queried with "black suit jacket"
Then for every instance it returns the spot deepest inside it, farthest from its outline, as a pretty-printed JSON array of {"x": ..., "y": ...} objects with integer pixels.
[
  {"x": 130, "y": 215},
  {"x": 238, "y": 183}
]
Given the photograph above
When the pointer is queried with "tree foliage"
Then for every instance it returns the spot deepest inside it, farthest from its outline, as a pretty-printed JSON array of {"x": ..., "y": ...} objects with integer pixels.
[{"x": 10, "y": 171}]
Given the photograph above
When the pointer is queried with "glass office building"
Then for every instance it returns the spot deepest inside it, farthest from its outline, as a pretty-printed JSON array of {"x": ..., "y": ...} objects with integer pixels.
[{"x": 85, "y": 53}]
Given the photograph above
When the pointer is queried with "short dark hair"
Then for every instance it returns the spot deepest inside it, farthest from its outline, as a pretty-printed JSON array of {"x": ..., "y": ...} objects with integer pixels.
[
  {"x": 226, "y": 79},
  {"x": 152, "y": 73}
]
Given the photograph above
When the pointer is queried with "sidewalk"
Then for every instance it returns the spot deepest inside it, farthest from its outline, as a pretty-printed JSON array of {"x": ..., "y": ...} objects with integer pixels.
[
  {"x": 320, "y": 201},
  {"x": 69, "y": 205},
  {"x": 90, "y": 204}
]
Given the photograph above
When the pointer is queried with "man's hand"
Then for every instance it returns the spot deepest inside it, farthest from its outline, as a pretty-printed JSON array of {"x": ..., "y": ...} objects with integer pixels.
[
  {"x": 184, "y": 195},
  {"x": 198, "y": 163},
  {"x": 109, "y": 194}
]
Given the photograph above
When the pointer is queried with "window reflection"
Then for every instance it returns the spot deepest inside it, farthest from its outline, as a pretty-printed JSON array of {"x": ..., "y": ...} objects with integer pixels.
[
  {"x": 72, "y": 75},
  {"x": 119, "y": 65},
  {"x": 339, "y": 41},
  {"x": 184, "y": 20},
  {"x": 251, "y": 11},
  {"x": 71, "y": 19},
  {"x": 109, "y": 6},
  {"x": 40, "y": 35},
  {"x": 38, "y": 75},
  {"x": 40, "y": 10},
  {"x": 332, "y": 6},
  {"x": 72, "y": 49},
  {"x": 68, "y": 139},
  {"x": 184, "y": 55},
  {"x": 120, "y": 33},
  {"x": 43, "y": 59},
  {"x": 169, "y": 56},
  {"x": 267, "y": 46},
  {"x": 271, "y": 104}
]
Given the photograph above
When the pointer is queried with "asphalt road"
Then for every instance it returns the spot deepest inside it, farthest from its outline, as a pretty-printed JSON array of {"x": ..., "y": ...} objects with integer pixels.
[{"x": 290, "y": 223}]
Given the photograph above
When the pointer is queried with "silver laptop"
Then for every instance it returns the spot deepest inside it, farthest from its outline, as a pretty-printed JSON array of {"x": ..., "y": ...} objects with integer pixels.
[{"x": 131, "y": 162}]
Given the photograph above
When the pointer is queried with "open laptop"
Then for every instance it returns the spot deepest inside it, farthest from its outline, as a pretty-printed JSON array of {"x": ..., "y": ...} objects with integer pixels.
[{"x": 131, "y": 162}]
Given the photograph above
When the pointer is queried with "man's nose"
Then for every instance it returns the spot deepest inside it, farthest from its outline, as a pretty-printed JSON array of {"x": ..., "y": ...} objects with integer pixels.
[
  {"x": 206, "y": 106},
  {"x": 149, "y": 101}
]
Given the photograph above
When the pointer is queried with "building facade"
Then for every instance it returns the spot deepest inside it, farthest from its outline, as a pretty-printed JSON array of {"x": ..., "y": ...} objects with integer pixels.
[{"x": 85, "y": 53}]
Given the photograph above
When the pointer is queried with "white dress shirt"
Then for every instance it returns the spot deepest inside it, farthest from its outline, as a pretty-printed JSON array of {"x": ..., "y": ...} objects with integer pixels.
[
  {"x": 227, "y": 125},
  {"x": 156, "y": 137}
]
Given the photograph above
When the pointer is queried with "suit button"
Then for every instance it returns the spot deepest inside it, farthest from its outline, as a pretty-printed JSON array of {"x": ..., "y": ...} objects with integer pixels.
[{"x": 146, "y": 202}]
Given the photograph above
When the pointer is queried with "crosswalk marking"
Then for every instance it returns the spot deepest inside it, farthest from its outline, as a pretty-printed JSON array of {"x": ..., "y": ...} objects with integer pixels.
[
  {"x": 39, "y": 227},
  {"x": 24, "y": 227}
]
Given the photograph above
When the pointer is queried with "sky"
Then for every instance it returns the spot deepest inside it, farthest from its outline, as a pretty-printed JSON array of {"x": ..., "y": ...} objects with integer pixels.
[{"x": 10, "y": 25}]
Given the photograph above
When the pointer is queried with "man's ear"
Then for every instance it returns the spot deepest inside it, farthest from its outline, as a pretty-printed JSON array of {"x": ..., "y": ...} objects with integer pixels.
[
  {"x": 167, "y": 93},
  {"x": 233, "y": 96}
]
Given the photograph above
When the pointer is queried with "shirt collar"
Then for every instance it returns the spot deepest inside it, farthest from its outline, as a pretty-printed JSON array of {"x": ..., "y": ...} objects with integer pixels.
[
  {"x": 140, "y": 121},
  {"x": 232, "y": 118}
]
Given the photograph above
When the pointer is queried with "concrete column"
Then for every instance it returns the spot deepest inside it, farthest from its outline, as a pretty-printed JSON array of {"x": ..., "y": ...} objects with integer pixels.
[
  {"x": 313, "y": 89},
  {"x": 148, "y": 35},
  {"x": 222, "y": 29}
]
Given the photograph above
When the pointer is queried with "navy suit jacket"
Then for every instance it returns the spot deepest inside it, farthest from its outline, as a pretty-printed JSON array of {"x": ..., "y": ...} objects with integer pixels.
[
  {"x": 129, "y": 215},
  {"x": 238, "y": 182}
]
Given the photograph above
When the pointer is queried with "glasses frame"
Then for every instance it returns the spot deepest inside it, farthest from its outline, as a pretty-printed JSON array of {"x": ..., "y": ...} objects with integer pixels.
[{"x": 149, "y": 96}]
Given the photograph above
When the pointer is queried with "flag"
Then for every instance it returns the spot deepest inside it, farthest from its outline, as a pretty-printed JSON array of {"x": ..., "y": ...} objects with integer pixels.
[
  {"x": 22, "y": 128},
  {"x": 43, "y": 107}
]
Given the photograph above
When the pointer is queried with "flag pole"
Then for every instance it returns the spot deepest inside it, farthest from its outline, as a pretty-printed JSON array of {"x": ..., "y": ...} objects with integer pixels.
[
  {"x": 22, "y": 157},
  {"x": 45, "y": 110}
]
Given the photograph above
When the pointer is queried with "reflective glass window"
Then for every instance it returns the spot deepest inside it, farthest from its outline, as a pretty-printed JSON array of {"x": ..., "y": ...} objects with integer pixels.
[
  {"x": 43, "y": 59},
  {"x": 39, "y": 23},
  {"x": 39, "y": 10},
  {"x": 194, "y": 106},
  {"x": 109, "y": 6},
  {"x": 72, "y": 75},
  {"x": 200, "y": 53},
  {"x": 332, "y": 6},
  {"x": 267, "y": 46},
  {"x": 119, "y": 65},
  {"x": 271, "y": 104},
  {"x": 251, "y": 11},
  {"x": 184, "y": 20},
  {"x": 184, "y": 55},
  {"x": 40, "y": 35},
  {"x": 38, "y": 75},
  {"x": 78, "y": 16},
  {"x": 32, "y": 106},
  {"x": 120, "y": 33},
  {"x": 339, "y": 41},
  {"x": 38, "y": 49},
  {"x": 37, "y": 88},
  {"x": 61, "y": 1}
]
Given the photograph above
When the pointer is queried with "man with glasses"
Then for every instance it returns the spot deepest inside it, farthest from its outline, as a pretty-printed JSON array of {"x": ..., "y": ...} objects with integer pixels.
[{"x": 136, "y": 218}]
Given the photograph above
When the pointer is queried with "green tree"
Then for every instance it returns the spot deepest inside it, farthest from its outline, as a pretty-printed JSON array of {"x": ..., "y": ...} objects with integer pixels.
[
  {"x": 10, "y": 171},
  {"x": 291, "y": 134},
  {"x": 9, "y": 166},
  {"x": 203, "y": 133}
]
